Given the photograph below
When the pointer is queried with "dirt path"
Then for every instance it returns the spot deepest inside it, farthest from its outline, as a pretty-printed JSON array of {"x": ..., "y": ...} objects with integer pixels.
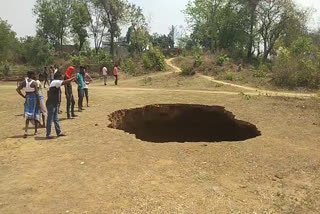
[{"x": 258, "y": 91}]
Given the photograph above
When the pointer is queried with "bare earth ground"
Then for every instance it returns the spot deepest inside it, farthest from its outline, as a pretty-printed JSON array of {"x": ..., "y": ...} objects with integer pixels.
[{"x": 100, "y": 170}]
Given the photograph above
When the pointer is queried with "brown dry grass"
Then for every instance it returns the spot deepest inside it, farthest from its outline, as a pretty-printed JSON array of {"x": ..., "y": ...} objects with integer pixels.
[{"x": 100, "y": 170}]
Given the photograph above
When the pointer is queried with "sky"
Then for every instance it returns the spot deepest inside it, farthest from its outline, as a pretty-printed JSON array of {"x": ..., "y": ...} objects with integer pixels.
[{"x": 161, "y": 14}]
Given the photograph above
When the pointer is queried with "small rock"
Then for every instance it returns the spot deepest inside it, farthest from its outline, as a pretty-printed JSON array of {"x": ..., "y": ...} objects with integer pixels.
[
  {"x": 204, "y": 145},
  {"x": 96, "y": 124},
  {"x": 67, "y": 211},
  {"x": 279, "y": 176},
  {"x": 82, "y": 163}
]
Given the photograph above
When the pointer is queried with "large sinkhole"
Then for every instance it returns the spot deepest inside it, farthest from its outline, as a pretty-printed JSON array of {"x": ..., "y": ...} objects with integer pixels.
[{"x": 182, "y": 123}]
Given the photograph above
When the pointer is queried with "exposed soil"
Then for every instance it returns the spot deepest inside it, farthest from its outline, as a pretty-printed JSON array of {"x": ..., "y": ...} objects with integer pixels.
[{"x": 182, "y": 123}]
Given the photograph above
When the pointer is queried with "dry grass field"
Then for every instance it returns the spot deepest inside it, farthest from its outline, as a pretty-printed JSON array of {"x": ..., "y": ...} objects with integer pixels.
[{"x": 97, "y": 170}]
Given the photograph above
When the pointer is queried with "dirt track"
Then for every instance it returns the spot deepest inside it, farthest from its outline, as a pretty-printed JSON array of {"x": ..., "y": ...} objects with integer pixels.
[{"x": 257, "y": 91}]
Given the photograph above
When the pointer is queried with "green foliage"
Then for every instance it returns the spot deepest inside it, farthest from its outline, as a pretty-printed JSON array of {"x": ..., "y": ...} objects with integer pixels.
[
  {"x": 154, "y": 60},
  {"x": 298, "y": 66},
  {"x": 4, "y": 68},
  {"x": 262, "y": 71},
  {"x": 80, "y": 20},
  {"x": 77, "y": 60},
  {"x": 104, "y": 59},
  {"x": 198, "y": 60},
  {"x": 138, "y": 39},
  {"x": 8, "y": 41},
  {"x": 241, "y": 27},
  {"x": 197, "y": 56},
  {"x": 222, "y": 59},
  {"x": 229, "y": 76},
  {"x": 129, "y": 66},
  {"x": 302, "y": 46},
  {"x": 187, "y": 70},
  {"x": 161, "y": 41},
  {"x": 116, "y": 12},
  {"x": 53, "y": 19},
  {"x": 36, "y": 51}
]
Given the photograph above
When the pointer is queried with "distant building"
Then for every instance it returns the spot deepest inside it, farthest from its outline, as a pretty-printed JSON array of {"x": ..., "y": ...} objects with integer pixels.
[
  {"x": 121, "y": 47},
  {"x": 70, "y": 49}
]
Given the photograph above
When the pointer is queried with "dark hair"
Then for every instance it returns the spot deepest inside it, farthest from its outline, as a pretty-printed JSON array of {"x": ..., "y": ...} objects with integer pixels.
[
  {"x": 57, "y": 75},
  {"x": 41, "y": 77},
  {"x": 30, "y": 74}
]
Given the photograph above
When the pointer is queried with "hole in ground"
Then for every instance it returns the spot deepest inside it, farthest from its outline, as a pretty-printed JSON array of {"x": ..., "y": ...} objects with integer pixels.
[{"x": 182, "y": 123}]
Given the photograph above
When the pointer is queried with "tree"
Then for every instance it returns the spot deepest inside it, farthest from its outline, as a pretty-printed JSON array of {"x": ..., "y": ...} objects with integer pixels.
[
  {"x": 161, "y": 41},
  {"x": 80, "y": 20},
  {"x": 137, "y": 35},
  {"x": 273, "y": 20},
  {"x": 36, "y": 51},
  {"x": 172, "y": 36},
  {"x": 116, "y": 14},
  {"x": 8, "y": 41},
  {"x": 201, "y": 18},
  {"x": 252, "y": 6},
  {"x": 98, "y": 21},
  {"x": 53, "y": 19}
]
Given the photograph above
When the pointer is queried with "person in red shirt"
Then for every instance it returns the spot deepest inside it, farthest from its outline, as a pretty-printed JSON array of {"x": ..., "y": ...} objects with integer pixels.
[{"x": 116, "y": 74}]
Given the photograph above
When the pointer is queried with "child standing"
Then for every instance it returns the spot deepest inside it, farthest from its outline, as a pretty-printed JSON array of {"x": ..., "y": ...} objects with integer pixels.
[
  {"x": 87, "y": 81},
  {"x": 43, "y": 108}
]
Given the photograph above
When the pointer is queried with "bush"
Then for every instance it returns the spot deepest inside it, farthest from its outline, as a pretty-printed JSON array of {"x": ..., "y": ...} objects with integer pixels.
[
  {"x": 298, "y": 66},
  {"x": 4, "y": 68},
  {"x": 187, "y": 70},
  {"x": 197, "y": 56},
  {"x": 229, "y": 76},
  {"x": 154, "y": 60},
  {"x": 197, "y": 60},
  {"x": 77, "y": 60},
  {"x": 128, "y": 66},
  {"x": 222, "y": 59},
  {"x": 261, "y": 72},
  {"x": 104, "y": 59}
]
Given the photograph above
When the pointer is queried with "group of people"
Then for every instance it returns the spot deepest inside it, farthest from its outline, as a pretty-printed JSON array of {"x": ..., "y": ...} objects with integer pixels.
[
  {"x": 104, "y": 72},
  {"x": 34, "y": 100}
]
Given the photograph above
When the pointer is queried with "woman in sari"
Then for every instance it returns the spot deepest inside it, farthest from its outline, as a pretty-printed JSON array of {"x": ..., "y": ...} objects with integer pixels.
[{"x": 32, "y": 102}]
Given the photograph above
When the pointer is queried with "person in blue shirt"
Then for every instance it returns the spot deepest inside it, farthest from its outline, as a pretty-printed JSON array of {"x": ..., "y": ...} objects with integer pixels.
[{"x": 81, "y": 85}]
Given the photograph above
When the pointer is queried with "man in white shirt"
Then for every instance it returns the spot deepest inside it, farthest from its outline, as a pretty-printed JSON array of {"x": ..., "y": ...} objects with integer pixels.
[
  {"x": 105, "y": 74},
  {"x": 53, "y": 104}
]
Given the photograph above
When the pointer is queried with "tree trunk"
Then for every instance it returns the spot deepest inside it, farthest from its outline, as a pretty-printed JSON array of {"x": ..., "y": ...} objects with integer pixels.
[
  {"x": 112, "y": 44},
  {"x": 81, "y": 45},
  {"x": 250, "y": 44}
]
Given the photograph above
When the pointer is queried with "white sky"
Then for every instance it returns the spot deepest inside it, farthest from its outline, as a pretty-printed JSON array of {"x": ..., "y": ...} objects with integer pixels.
[{"x": 161, "y": 13}]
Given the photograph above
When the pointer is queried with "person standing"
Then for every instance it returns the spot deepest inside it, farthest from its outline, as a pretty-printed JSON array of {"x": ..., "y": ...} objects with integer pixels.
[
  {"x": 53, "y": 102},
  {"x": 105, "y": 75},
  {"x": 45, "y": 76},
  {"x": 80, "y": 83},
  {"x": 55, "y": 69},
  {"x": 51, "y": 74},
  {"x": 115, "y": 74},
  {"x": 32, "y": 102},
  {"x": 69, "y": 93},
  {"x": 43, "y": 109},
  {"x": 87, "y": 81}
]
